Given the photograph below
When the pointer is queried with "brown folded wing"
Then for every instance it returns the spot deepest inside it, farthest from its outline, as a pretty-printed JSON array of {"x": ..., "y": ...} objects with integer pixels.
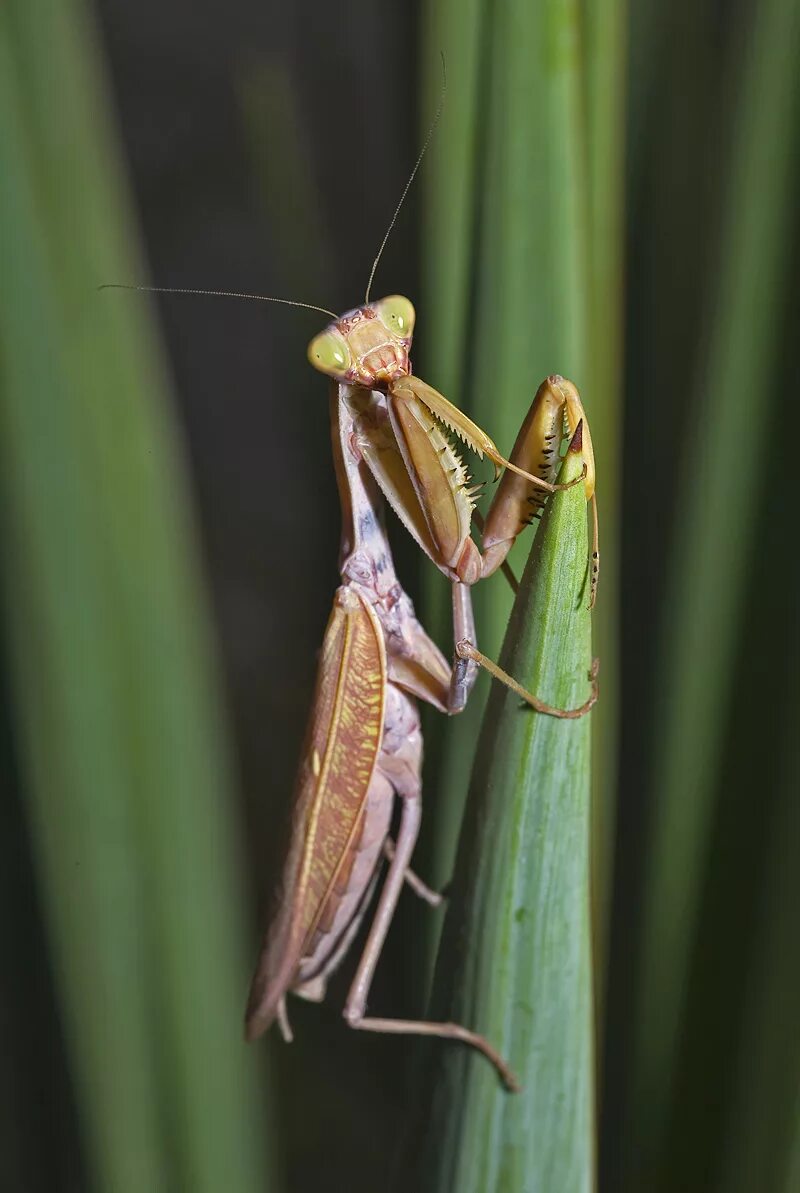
[{"x": 341, "y": 749}]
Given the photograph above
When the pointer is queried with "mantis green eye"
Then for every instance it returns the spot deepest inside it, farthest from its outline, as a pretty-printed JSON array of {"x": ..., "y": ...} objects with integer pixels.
[
  {"x": 397, "y": 314},
  {"x": 329, "y": 353}
]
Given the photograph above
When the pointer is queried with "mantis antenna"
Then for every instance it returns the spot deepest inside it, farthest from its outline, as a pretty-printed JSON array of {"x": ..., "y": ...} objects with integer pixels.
[
  {"x": 411, "y": 178},
  {"x": 290, "y": 302},
  {"x": 287, "y": 302}
]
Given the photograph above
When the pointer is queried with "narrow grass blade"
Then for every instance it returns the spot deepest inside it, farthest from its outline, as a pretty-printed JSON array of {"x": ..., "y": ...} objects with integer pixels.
[
  {"x": 113, "y": 679},
  {"x": 733, "y": 409},
  {"x": 515, "y": 961}
]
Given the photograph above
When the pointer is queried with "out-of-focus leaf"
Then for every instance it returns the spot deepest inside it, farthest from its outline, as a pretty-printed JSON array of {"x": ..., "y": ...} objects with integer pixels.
[
  {"x": 114, "y": 685},
  {"x": 606, "y": 39},
  {"x": 734, "y": 396}
]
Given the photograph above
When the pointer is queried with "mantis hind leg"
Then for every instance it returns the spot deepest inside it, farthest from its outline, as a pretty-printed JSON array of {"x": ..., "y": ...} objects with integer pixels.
[
  {"x": 444, "y": 1031},
  {"x": 359, "y": 991},
  {"x": 420, "y": 888}
]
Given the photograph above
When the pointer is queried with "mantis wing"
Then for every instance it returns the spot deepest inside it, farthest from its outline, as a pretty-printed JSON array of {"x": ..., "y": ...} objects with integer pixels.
[{"x": 341, "y": 749}]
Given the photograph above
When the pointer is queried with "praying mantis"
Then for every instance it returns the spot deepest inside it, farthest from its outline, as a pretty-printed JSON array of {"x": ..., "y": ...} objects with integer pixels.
[{"x": 363, "y": 746}]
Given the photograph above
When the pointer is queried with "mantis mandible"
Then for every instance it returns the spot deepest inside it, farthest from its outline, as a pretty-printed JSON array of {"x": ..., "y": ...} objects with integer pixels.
[{"x": 363, "y": 746}]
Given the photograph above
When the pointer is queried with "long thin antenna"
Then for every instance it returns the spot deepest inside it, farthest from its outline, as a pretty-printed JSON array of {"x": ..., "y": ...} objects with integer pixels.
[
  {"x": 287, "y": 302},
  {"x": 412, "y": 176}
]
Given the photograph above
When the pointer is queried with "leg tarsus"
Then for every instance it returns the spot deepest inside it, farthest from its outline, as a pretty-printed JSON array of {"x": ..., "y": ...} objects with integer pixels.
[
  {"x": 283, "y": 1021},
  {"x": 539, "y": 483},
  {"x": 570, "y": 484},
  {"x": 465, "y": 650},
  {"x": 444, "y": 1031},
  {"x": 420, "y": 888}
]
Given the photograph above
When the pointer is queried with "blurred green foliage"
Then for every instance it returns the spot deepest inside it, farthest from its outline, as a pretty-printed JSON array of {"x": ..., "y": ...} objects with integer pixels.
[
  {"x": 113, "y": 680},
  {"x": 735, "y": 387}
]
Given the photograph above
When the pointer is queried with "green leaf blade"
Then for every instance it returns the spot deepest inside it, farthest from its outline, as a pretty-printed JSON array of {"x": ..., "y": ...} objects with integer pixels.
[{"x": 516, "y": 959}]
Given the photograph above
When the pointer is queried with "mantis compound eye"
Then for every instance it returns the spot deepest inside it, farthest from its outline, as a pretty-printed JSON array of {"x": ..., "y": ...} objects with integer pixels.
[
  {"x": 397, "y": 314},
  {"x": 329, "y": 353}
]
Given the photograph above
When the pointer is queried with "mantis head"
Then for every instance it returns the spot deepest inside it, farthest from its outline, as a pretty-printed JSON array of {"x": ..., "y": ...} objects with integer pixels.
[{"x": 368, "y": 346}]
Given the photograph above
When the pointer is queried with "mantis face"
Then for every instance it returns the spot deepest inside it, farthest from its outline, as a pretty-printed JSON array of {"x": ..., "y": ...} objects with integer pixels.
[{"x": 368, "y": 346}]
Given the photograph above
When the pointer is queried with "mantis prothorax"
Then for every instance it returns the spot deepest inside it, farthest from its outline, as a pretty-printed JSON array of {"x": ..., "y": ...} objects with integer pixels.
[
  {"x": 363, "y": 746},
  {"x": 401, "y": 424}
]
